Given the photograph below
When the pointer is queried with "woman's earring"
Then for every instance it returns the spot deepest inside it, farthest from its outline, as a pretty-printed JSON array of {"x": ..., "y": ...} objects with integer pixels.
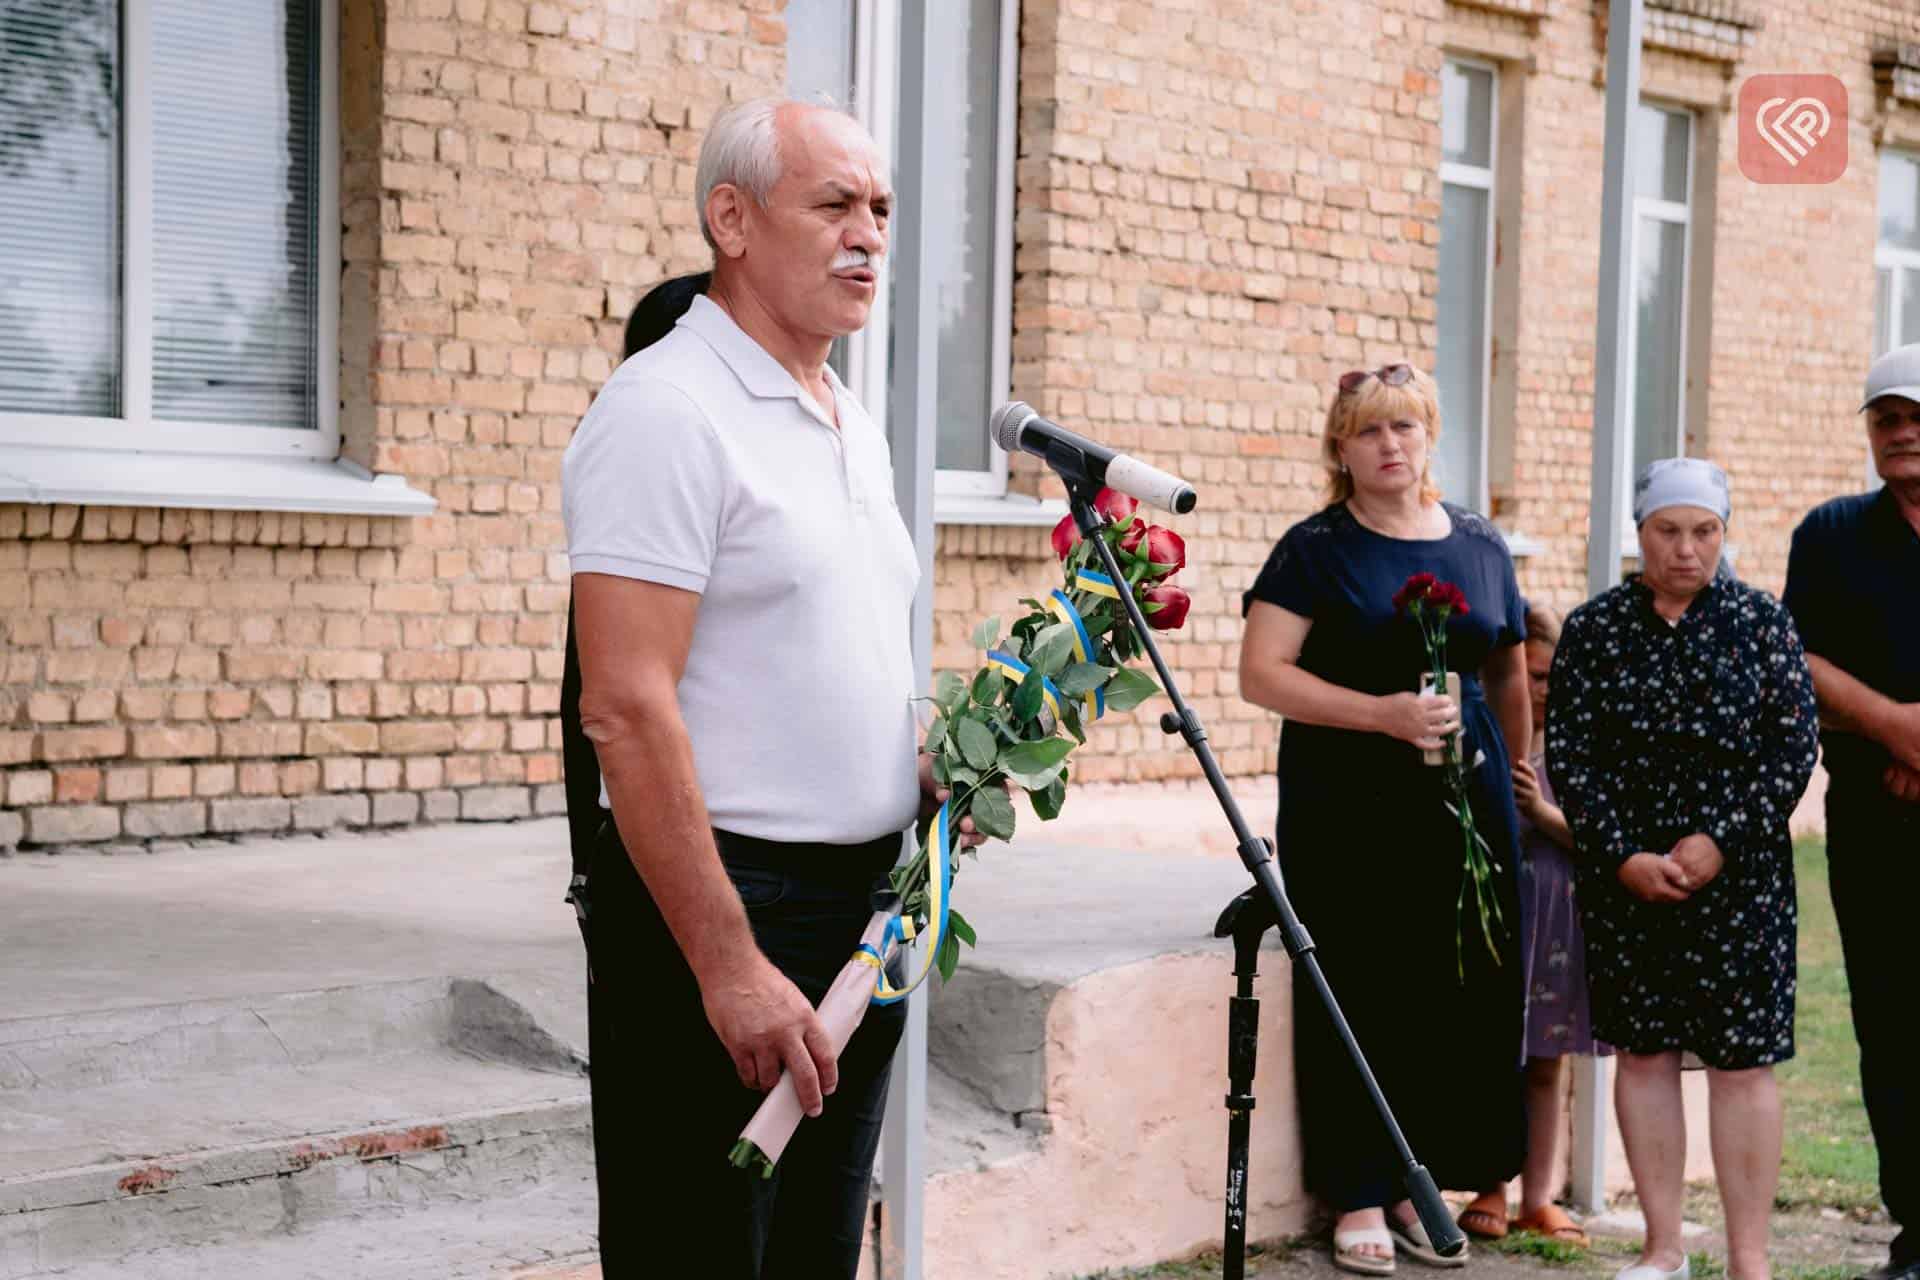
[{"x": 1343, "y": 468}]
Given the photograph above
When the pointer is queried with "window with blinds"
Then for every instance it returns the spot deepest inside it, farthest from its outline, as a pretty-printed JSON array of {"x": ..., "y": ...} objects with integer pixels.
[{"x": 161, "y": 183}]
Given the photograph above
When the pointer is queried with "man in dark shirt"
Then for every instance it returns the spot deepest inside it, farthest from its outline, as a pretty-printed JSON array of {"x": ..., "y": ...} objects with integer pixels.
[{"x": 1853, "y": 585}]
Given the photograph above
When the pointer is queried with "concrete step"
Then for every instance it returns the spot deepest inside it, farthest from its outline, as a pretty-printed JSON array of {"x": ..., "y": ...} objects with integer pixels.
[{"x": 199, "y": 1124}]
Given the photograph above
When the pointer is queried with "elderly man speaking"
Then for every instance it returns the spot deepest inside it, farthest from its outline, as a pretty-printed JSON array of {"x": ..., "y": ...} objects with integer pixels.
[{"x": 743, "y": 584}]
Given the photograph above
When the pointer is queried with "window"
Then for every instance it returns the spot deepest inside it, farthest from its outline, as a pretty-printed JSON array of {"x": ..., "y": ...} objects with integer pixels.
[
  {"x": 1896, "y": 311},
  {"x": 169, "y": 254},
  {"x": 1662, "y": 199},
  {"x": 1468, "y": 132},
  {"x": 974, "y": 285}
]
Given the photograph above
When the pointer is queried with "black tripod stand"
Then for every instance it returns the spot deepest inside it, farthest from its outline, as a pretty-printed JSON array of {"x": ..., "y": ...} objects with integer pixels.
[{"x": 1245, "y": 920}]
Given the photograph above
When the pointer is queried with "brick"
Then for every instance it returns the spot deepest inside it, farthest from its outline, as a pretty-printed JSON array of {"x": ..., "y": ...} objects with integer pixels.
[
  {"x": 159, "y": 821},
  {"x": 321, "y": 812},
  {"x": 274, "y": 813},
  {"x": 342, "y": 737},
  {"x": 29, "y": 787},
  {"x": 395, "y": 809},
  {"x": 440, "y": 806},
  {"x": 127, "y": 784},
  {"x": 175, "y": 742},
  {"x": 550, "y": 799},
  {"x": 72, "y": 824},
  {"x": 83, "y": 744},
  {"x": 172, "y": 782},
  {"x": 416, "y": 737},
  {"x": 13, "y": 829},
  {"x": 494, "y": 804},
  {"x": 76, "y": 786}
]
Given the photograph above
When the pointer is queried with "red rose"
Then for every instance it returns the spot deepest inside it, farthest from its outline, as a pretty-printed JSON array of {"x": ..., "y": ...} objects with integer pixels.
[
  {"x": 1166, "y": 551},
  {"x": 1114, "y": 505},
  {"x": 1135, "y": 534},
  {"x": 1165, "y": 606},
  {"x": 1416, "y": 588},
  {"x": 1066, "y": 535}
]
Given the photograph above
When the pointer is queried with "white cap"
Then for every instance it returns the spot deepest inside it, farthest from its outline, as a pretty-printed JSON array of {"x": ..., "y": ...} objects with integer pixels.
[{"x": 1896, "y": 373}]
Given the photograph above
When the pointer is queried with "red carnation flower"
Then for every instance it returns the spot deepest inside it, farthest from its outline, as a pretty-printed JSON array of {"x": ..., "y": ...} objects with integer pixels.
[{"x": 1415, "y": 588}]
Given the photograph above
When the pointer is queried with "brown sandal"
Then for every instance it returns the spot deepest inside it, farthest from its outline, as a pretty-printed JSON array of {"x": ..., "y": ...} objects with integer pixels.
[
  {"x": 1486, "y": 1217},
  {"x": 1553, "y": 1222}
]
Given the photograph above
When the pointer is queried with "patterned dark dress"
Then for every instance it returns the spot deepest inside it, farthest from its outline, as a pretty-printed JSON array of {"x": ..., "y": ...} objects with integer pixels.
[
  {"x": 1656, "y": 731},
  {"x": 1373, "y": 862}
]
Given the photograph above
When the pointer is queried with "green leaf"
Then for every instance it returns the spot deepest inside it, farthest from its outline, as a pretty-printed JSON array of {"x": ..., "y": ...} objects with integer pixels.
[
  {"x": 1029, "y": 697},
  {"x": 936, "y": 736},
  {"x": 1034, "y": 765},
  {"x": 962, "y": 777},
  {"x": 1129, "y": 688},
  {"x": 1052, "y": 649},
  {"x": 987, "y": 686},
  {"x": 1047, "y": 803},
  {"x": 1038, "y": 609},
  {"x": 992, "y": 813},
  {"x": 961, "y": 929},
  {"x": 1070, "y": 716},
  {"x": 948, "y": 957},
  {"x": 942, "y": 771},
  {"x": 1081, "y": 678},
  {"x": 1098, "y": 624},
  {"x": 976, "y": 743},
  {"x": 986, "y": 633},
  {"x": 949, "y": 691}
]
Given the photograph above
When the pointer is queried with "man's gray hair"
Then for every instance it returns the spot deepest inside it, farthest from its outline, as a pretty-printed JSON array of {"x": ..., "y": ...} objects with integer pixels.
[{"x": 742, "y": 149}]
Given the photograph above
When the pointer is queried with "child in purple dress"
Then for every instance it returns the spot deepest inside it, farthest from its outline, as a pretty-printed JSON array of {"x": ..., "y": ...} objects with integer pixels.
[{"x": 1554, "y": 958}]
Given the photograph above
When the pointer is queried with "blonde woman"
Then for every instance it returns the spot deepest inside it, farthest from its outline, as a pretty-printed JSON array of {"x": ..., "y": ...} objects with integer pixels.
[{"x": 1370, "y": 851}]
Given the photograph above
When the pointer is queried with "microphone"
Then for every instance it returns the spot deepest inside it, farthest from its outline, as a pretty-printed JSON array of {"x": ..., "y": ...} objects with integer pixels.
[{"x": 1017, "y": 428}]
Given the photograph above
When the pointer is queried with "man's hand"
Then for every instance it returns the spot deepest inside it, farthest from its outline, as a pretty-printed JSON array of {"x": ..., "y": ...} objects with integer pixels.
[
  {"x": 765, "y": 1023},
  {"x": 1653, "y": 877},
  {"x": 933, "y": 795},
  {"x": 1700, "y": 858},
  {"x": 1903, "y": 738},
  {"x": 1902, "y": 783}
]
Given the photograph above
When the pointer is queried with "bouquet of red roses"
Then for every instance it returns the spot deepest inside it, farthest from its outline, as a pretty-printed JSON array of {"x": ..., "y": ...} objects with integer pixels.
[
  {"x": 1430, "y": 602},
  {"x": 1059, "y": 667}
]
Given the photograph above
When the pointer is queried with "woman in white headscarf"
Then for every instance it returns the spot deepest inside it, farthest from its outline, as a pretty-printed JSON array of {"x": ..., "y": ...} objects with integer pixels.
[{"x": 1680, "y": 734}]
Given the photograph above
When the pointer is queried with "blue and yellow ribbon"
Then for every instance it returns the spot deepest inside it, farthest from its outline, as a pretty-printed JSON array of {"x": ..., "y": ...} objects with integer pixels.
[
  {"x": 1015, "y": 670},
  {"x": 1062, "y": 608},
  {"x": 900, "y": 928},
  {"x": 1097, "y": 583}
]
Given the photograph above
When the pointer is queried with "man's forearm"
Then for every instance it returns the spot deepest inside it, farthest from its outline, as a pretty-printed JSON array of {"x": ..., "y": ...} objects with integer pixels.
[
  {"x": 662, "y": 817},
  {"x": 1849, "y": 705}
]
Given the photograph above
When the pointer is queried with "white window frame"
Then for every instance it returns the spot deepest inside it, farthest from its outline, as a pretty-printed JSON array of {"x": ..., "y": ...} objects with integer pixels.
[
  {"x": 1893, "y": 260},
  {"x": 1453, "y": 173},
  {"x": 137, "y": 429},
  {"x": 1649, "y": 208},
  {"x": 991, "y": 482}
]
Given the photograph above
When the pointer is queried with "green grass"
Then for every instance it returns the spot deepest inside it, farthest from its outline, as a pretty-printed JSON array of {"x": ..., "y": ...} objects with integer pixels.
[
  {"x": 1539, "y": 1248},
  {"x": 1829, "y": 1157}
]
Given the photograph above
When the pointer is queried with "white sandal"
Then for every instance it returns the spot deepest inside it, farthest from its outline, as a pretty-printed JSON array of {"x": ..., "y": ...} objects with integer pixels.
[
  {"x": 1362, "y": 1264},
  {"x": 1642, "y": 1271}
]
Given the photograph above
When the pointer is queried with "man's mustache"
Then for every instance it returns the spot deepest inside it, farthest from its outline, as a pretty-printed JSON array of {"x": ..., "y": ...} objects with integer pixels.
[{"x": 849, "y": 259}]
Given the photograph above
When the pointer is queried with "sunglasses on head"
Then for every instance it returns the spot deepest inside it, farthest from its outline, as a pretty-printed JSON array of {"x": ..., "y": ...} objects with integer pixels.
[{"x": 1393, "y": 375}]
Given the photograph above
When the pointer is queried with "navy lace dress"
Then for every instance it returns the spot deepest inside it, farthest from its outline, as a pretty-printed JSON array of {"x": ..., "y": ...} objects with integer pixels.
[
  {"x": 1656, "y": 731},
  {"x": 1373, "y": 862}
]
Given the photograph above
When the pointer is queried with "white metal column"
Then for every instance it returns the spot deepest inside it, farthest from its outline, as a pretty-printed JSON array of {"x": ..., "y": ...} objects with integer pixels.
[
  {"x": 919, "y": 225},
  {"x": 1612, "y": 393}
]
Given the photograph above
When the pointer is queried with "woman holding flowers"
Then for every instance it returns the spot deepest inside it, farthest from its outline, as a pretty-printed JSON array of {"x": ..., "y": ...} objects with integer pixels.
[
  {"x": 1403, "y": 870},
  {"x": 1680, "y": 734}
]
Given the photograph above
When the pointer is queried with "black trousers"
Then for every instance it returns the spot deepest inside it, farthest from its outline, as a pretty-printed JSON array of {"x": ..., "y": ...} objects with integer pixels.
[
  {"x": 1873, "y": 866},
  {"x": 668, "y": 1104}
]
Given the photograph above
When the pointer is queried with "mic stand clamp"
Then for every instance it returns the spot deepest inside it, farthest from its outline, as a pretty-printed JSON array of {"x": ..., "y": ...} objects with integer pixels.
[{"x": 1265, "y": 906}]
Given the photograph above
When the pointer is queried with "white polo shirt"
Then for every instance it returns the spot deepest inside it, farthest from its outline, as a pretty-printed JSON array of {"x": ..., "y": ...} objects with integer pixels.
[{"x": 703, "y": 465}]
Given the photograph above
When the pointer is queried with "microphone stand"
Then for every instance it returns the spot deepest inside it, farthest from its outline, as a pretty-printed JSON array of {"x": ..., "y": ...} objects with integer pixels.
[{"x": 1246, "y": 919}]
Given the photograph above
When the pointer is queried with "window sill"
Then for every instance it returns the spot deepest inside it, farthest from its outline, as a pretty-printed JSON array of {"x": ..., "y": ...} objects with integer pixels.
[
  {"x": 229, "y": 482},
  {"x": 1013, "y": 509},
  {"x": 1520, "y": 546}
]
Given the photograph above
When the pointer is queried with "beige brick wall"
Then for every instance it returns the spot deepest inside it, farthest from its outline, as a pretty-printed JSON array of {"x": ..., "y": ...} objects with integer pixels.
[{"x": 1220, "y": 207}]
